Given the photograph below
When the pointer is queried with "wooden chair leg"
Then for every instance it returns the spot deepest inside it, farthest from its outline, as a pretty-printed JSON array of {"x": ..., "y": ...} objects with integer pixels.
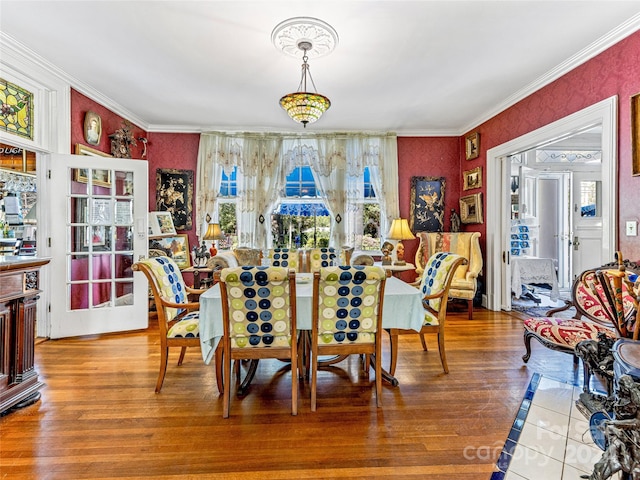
[
  {"x": 423, "y": 340},
  {"x": 219, "y": 368},
  {"x": 226, "y": 396},
  {"x": 470, "y": 304},
  {"x": 367, "y": 360},
  {"x": 294, "y": 385},
  {"x": 314, "y": 379},
  {"x": 378, "y": 365},
  {"x": 164, "y": 358},
  {"x": 393, "y": 348},
  {"x": 527, "y": 345},
  {"x": 443, "y": 355},
  {"x": 183, "y": 351}
]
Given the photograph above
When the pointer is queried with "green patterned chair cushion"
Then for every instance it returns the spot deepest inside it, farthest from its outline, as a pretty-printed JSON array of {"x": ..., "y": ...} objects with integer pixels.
[
  {"x": 187, "y": 327},
  {"x": 322, "y": 257},
  {"x": 348, "y": 304},
  {"x": 284, "y": 257},
  {"x": 259, "y": 306},
  {"x": 434, "y": 277},
  {"x": 169, "y": 280}
]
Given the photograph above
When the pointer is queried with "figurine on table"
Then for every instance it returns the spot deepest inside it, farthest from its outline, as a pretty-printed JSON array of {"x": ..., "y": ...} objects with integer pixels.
[{"x": 387, "y": 248}]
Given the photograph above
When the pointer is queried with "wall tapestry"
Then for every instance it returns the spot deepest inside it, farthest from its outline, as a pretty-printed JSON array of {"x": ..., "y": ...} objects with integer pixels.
[
  {"x": 16, "y": 115},
  {"x": 427, "y": 204},
  {"x": 174, "y": 193}
]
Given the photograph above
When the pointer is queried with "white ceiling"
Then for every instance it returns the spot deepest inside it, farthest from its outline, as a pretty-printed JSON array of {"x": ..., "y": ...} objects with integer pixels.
[{"x": 413, "y": 67}]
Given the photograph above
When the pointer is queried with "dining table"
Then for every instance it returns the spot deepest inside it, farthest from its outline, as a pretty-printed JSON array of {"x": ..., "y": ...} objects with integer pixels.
[{"x": 402, "y": 308}]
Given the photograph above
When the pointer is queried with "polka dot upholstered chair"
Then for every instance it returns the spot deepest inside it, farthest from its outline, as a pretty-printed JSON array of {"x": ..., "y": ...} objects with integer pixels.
[
  {"x": 436, "y": 280},
  {"x": 178, "y": 318},
  {"x": 284, "y": 257},
  {"x": 347, "y": 318},
  {"x": 259, "y": 317},
  {"x": 321, "y": 257}
]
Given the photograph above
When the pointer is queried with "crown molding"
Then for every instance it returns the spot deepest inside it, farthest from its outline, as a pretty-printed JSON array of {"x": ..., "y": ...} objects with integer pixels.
[
  {"x": 9, "y": 43},
  {"x": 608, "y": 40}
]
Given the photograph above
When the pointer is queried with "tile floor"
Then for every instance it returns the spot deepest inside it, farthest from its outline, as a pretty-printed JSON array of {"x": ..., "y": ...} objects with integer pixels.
[{"x": 550, "y": 438}]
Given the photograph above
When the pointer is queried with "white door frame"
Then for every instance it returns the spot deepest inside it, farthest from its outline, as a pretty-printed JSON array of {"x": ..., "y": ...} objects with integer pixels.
[{"x": 603, "y": 113}]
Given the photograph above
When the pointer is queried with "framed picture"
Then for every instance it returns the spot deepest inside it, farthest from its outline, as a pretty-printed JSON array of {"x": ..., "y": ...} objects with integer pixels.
[
  {"x": 174, "y": 194},
  {"x": 472, "y": 179},
  {"x": 96, "y": 236},
  {"x": 635, "y": 134},
  {"x": 102, "y": 178},
  {"x": 178, "y": 245},
  {"x": 84, "y": 150},
  {"x": 472, "y": 145},
  {"x": 161, "y": 224},
  {"x": 92, "y": 128},
  {"x": 427, "y": 204},
  {"x": 471, "y": 208}
]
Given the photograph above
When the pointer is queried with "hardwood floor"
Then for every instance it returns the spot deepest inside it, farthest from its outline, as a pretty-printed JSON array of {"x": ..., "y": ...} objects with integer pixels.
[{"x": 100, "y": 418}]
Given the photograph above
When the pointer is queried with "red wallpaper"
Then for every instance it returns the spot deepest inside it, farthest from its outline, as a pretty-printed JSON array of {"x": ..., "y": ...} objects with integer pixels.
[
  {"x": 173, "y": 150},
  {"x": 111, "y": 122}
]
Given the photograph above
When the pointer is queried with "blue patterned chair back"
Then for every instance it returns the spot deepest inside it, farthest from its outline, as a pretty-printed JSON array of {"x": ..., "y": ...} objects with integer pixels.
[
  {"x": 437, "y": 272},
  {"x": 259, "y": 305},
  {"x": 169, "y": 282},
  {"x": 348, "y": 303},
  {"x": 322, "y": 258},
  {"x": 284, "y": 257}
]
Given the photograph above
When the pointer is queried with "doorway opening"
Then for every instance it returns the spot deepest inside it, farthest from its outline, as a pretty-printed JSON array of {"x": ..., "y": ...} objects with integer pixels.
[{"x": 601, "y": 116}]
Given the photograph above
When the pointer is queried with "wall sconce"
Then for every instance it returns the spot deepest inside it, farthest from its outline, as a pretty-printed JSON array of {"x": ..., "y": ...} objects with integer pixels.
[{"x": 144, "y": 146}]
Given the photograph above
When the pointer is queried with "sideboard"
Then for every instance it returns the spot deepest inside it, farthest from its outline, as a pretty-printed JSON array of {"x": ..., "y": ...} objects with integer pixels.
[{"x": 19, "y": 289}]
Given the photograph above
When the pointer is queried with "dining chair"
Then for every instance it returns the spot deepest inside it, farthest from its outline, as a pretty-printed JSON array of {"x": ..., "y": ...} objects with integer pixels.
[
  {"x": 178, "y": 318},
  {"x": 321, "y": 257},
  {"x": 434, "y": 286},
  {"x": 347, "y": 318},
  {"x": 284, "y": 257},
  {"x": 259, "y": 319}
]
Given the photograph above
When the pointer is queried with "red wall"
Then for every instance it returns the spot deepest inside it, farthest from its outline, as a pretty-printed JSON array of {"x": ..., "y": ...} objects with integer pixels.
[{"x": 616, "y": 71}]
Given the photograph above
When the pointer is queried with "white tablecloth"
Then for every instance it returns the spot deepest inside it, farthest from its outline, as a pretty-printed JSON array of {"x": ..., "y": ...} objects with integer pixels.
[
  {"x": 533, "y": 270},
  {"x": 402, "y": 308}
]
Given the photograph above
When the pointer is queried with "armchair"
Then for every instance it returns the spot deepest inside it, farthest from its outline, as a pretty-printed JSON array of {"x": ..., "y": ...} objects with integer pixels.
[
  {"x": 435, "y": 287},
  {"x": 465, "y": 244},
  {"x": 178, "y": 318}
]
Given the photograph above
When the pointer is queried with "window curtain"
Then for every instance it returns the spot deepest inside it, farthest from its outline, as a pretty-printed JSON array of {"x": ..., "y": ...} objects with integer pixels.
[
  {"x": 264, "y": 178},
  {"x": 264, "y": 160},
  {"x": 216, "y": 154}
]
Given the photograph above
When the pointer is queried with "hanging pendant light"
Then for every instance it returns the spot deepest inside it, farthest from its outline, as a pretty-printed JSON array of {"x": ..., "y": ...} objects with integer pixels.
[
  {"x": 302, "y": 106},
  {"x": 312, "y": 37}
]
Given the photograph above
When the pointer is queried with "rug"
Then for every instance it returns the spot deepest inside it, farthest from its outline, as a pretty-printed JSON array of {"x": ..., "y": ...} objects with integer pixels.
[{"x": 536, "y": 311}]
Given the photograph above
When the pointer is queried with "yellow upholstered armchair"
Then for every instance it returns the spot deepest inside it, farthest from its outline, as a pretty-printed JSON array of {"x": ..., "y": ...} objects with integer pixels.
[{"x": 465, "y": 244}]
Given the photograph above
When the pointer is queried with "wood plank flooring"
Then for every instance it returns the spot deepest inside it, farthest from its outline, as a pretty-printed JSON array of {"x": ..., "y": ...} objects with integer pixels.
[{"x": 100, "y": 418}]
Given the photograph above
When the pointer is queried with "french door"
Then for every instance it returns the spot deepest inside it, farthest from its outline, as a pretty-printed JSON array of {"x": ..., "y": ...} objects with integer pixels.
[{"x": 98, "y": 230}]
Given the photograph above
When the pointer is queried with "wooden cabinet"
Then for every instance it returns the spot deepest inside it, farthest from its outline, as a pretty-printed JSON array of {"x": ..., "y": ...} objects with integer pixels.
[{"x": 19, "y": 289}]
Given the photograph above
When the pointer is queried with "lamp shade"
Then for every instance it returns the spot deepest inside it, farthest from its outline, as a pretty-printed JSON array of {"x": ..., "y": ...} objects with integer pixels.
[
  {"x": 213, "y": 232},
  {"x": 400, "y": 230}
]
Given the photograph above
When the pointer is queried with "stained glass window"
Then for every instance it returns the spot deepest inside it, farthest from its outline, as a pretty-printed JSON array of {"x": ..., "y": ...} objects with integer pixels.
[{"x": 16, "y": 110}]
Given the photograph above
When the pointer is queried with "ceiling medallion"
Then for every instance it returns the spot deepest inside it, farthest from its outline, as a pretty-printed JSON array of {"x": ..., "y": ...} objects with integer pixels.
[
  {"x": 316, "y": 38},
  {"x": 320, "y": 35}
]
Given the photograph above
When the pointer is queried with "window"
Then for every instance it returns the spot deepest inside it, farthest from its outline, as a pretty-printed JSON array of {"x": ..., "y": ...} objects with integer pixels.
[
  {"x": 227, "y": 210},
  {"x": 364, "y": 222},
  {"x": 301, "y": 219}
]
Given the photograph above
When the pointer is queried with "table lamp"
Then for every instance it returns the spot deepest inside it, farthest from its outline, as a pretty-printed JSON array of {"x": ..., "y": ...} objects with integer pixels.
[
  {"x": 213, "y": 233},
  {"x": 400, "y": 231}
]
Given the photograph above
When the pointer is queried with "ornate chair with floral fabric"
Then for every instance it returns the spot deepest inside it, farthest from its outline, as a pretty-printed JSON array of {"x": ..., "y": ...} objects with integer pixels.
[
  {"x": 178, "y": 318},
  {"x": 596, "y": 315},
  {"x": 436, "y": 281},
  {"x": 259, "y": 318},
  {"x": 466, "y": 244},
  {"x": 347, "y": 318}
]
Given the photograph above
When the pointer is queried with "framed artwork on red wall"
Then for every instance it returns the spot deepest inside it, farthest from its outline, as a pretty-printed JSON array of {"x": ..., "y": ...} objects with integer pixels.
[
  {"x": 472, "y": 145},
  {"x": 635, "y": 134}
]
